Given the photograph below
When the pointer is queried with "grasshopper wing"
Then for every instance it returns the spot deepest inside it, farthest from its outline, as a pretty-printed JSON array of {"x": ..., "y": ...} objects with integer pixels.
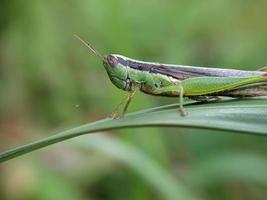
[{"x": 181, "y": 72}]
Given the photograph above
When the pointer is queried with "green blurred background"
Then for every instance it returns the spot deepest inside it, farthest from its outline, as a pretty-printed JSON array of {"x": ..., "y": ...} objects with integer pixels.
[{"x": 49, "y": 82}]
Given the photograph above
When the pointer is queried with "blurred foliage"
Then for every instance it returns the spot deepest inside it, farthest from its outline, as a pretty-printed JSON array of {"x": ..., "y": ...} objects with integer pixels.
[{"x": 49, "y": 81}]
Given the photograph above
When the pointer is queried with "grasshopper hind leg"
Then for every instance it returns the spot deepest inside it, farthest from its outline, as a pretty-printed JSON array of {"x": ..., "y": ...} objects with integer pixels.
[
  {"x": 181, "y": 103},
  {"x": 174, "y": 88}
]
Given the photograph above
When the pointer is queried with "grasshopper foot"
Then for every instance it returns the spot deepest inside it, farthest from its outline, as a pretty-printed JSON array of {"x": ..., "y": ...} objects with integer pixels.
[
  {"x": 115, "y": 115},
  {"x": 183, "y": 112}
]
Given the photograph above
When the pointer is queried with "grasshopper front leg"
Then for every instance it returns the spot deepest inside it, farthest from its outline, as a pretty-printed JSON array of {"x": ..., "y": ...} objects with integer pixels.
[
  {"x": 177, "y": 87},
  {"x": 126, "y": 102}
]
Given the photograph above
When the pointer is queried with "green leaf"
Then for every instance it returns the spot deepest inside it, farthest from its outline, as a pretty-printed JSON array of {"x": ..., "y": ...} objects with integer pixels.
[{"x": 247, "y": 116}]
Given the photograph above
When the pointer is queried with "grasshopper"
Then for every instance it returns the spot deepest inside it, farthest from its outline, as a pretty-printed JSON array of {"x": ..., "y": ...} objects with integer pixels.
[{"x": 197, "y": 83}]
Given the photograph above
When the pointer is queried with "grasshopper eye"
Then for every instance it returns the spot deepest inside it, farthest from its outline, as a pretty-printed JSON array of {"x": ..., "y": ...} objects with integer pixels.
[{"x": 112, "y": 60}]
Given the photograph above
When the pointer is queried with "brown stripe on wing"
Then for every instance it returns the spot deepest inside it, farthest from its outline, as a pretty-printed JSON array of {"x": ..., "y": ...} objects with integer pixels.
[
  {"x": 174, "y": 72},
  {"x": 178, "y": 74},
  {"x": 161, "y": 69}
]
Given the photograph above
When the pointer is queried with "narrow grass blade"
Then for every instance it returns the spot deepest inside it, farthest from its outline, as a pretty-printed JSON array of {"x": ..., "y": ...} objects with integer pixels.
[{"x": 245, "y": 116}]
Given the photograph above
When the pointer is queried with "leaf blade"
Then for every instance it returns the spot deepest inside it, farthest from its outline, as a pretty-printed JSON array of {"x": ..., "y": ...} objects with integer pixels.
[{"x": 245, "y": 116}]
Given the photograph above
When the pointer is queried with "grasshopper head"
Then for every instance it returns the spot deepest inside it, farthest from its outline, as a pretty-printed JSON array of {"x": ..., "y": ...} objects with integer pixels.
[
  {"x": 114, "y": 65},
  {"x": 116, "y": 70}
]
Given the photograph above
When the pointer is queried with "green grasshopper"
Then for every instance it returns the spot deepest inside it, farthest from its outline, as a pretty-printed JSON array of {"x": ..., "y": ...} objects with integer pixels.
[{"x": 197, "y": 83}]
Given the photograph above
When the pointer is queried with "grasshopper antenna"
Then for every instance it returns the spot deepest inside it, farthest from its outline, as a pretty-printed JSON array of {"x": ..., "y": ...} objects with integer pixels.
[{"x": 91, "y": 48}]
